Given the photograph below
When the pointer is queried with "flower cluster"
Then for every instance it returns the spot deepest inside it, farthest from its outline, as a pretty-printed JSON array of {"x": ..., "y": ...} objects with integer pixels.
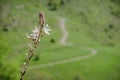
[{"x": 36, "y": 32}]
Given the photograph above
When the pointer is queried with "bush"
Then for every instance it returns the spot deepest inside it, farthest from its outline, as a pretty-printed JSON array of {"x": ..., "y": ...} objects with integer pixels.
[{"x": 8, "y": 69}]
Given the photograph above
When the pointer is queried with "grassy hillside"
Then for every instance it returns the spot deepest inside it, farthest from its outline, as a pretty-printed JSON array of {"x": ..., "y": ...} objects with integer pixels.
[
  {"x": 90, "y": 23},
  {"x": 99, "y": 19}
]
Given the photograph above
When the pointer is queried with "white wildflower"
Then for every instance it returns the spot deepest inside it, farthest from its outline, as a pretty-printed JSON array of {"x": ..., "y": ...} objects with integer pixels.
[
  {"x": 36, "y": 30},
  {"x": 46, "y": 29},
  {"x": 34, "y": 34}
]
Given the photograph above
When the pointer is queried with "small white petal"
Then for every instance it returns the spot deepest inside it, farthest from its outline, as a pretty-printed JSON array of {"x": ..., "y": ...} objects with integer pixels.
[
  {"x": 46, "y": 25},
  {"x": 27, "y": 36},
  {"x": 36, "y": 30},
  {"x": 39, "y": 40},
  {"x": 46, "y": 30},
  {"x": 33, "y": 36}
]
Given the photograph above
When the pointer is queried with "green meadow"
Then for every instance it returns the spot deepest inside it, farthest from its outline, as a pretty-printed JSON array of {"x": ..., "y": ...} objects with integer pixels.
[{"x": 93, "y": 28}]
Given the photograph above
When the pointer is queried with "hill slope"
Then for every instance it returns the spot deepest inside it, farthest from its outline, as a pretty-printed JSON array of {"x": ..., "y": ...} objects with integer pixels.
[{"x": 91, "y": 23}]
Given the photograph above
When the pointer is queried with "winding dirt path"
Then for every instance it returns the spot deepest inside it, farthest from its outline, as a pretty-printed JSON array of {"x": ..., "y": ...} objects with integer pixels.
[
  {"x": 64, "y": 42},
  {"x": 64, "y": 32}
]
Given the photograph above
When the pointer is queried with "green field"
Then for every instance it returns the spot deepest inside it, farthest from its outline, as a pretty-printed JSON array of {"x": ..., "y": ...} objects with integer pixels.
[{"x": 93, "y": 26}]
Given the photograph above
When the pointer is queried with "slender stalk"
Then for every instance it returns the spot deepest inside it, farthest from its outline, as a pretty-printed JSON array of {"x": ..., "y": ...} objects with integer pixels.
[{"x": 32, "y": 48}]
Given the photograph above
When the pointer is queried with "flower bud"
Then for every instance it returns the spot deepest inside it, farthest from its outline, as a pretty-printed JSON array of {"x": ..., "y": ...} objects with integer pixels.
[{"x": 42, "y": 18}]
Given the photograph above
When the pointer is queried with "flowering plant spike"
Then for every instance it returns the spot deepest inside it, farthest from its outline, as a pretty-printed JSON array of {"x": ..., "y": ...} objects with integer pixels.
[{"x": 35, "y": 36}]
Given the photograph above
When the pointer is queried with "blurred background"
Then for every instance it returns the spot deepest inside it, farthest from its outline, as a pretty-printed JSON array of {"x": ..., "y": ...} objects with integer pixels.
[{"x": 91, "y": 26}]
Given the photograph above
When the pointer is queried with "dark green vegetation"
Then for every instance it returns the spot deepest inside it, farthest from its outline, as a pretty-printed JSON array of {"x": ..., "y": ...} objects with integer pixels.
[{"x": 90, "y": 23}]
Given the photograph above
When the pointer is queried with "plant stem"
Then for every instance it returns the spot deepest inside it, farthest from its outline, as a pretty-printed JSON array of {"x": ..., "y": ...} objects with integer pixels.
[{"x": 32, "y": 48}]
